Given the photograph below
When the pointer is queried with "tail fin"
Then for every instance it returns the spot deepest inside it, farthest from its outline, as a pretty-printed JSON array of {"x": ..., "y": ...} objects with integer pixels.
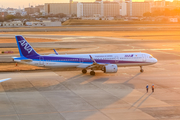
[
  {"x": 55, "y": 52},
  {"x": 24, "y": 47}
]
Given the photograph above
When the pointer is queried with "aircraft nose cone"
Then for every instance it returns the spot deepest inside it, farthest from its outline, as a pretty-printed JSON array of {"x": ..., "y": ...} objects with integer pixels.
[{"x": 155, "y": 60}]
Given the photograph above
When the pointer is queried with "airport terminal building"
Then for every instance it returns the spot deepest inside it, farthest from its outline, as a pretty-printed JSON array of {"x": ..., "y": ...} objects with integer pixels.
[
  {"x": 99, "y": 8},
  {"x": 56, "y": 8},
  {"x": 137, "y": 8},
  {"x": 84, "y": 9}
]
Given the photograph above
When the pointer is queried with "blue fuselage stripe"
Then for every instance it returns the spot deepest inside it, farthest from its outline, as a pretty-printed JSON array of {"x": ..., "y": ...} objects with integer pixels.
[{"x": 78, "y": 60}]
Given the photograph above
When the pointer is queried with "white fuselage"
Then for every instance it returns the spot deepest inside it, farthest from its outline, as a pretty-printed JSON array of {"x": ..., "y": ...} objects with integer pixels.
[{"x": 83, "y": 60}]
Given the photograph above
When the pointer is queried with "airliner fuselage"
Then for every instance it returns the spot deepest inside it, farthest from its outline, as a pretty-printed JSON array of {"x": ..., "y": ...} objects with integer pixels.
[{"x": 108, "y": 62}]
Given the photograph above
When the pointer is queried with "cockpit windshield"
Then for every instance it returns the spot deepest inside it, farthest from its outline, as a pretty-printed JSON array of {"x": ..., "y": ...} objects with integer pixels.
[{"x": 150, "y": 56}]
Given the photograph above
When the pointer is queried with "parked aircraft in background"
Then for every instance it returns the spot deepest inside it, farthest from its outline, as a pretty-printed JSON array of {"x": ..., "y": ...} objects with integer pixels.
[{"x": 108, "y": 62}]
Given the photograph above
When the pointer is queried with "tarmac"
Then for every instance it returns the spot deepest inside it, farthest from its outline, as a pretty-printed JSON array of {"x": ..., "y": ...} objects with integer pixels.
[{"x": 71, "y": 95}]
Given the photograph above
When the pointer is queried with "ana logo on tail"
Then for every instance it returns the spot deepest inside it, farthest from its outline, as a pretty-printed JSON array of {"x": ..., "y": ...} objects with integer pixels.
[{"x": 26, "y": 46}]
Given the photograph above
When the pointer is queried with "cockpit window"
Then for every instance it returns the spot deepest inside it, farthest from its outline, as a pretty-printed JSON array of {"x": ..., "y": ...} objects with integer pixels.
[{"x": 150, "y": 56}]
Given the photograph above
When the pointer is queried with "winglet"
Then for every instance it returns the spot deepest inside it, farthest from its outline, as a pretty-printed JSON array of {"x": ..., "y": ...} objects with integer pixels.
[
  {"x": 3, "y": 80},
  {"x": 55, "y": 52},
  {"x": 92, "y": 59}
]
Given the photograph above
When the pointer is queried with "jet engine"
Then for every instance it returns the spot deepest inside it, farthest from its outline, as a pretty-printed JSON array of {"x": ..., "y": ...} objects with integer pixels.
[{"x": 111, "y": 68}]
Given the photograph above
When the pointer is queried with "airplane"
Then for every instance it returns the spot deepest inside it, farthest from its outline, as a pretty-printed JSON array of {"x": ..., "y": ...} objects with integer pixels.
[{"x": 108, "y": 63}]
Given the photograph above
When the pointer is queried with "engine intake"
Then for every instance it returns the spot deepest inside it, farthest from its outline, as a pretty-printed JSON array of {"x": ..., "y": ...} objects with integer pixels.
[{"x": 111, "y": 68}]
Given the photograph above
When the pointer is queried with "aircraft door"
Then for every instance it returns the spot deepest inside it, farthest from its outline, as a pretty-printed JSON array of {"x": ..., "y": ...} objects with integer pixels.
[
  {"x": 116, "y": 59},
  {"x": 143, "y": 57},
  {"x": 81, "y": 60},
  {"x": 41, "y": 61}
]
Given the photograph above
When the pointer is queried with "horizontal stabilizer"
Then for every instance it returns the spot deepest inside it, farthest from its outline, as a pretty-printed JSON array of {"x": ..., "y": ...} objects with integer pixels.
[{"x": 28, "y": 60}]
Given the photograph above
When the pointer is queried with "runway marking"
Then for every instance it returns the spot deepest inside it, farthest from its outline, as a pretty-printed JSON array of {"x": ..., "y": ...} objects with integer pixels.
[
  {"x": 145, "y": 49},
  {"x": 29, "y": 114},
  {"x": 176, "y": 88},
  {"x": 168, "y": 53},
  {"x": 76, "y": 37},
  {"x": 125, "y": 73},
  {"x": 69, "y": 38}
]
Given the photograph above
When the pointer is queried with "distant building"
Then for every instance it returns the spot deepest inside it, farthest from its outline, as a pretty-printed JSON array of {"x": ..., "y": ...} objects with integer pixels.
[
  {"x": 123, "y": 10},
  {"x": 89, "y": 9},
  {"x": 44, "y": 23},
  {"x": 12, "y": 12},
  {"x": 111, "y": 9},
  {"x": 13, "y": 24},
  {"x": 173, "y": 19},
  {"x": 41, "y": 8},
  {"x": 32, "y": 10},
  {"x": 80, "y": 10},
  {"x": 159, "y": 4},
  {"x": 138, "y": 8},
  {"x": 176, "y": 3},
  {"x": 84, "y": 9},
  {"x": 56, "y": 8},
  {"x": 118, "y": 1},
  {"x": 3, "y": 15},
  {"x": 162, "y": 5},
  {"x": 23, "y": 13}
]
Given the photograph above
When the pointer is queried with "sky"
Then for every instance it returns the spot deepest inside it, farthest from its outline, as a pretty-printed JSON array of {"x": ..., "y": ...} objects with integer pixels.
[{"x": 25, "y": 3}]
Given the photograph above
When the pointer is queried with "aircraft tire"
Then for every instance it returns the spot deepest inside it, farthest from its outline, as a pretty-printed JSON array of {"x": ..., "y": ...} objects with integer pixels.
[
  {"x": 142, "y": 70},
  {"x": 84, "y": 71},
  {"x": 92, "y": 73}
]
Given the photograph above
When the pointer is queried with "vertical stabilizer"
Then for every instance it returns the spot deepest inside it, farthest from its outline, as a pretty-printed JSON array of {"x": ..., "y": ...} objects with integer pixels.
[{"x": 24, "y": 47}]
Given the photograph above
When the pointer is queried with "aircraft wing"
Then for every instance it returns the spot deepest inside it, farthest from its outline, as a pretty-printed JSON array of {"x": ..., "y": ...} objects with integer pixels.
[
  {"x": 92, "y": 59},
  {"x": 3, "y": 80},
  {"x": 95, "y": 65}
]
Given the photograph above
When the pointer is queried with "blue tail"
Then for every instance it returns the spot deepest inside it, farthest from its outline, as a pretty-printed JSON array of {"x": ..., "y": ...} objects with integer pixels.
[{"x": 24, "y": 47}]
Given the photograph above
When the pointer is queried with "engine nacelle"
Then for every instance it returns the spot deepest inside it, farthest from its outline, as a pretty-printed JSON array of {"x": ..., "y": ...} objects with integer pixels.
[{"x": 111, "y": 68}]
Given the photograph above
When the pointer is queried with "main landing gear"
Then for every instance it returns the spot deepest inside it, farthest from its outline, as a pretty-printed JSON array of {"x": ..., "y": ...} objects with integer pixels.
[
  {"x": 84, "y": 71},
  {"x": 141, "y": 70},
  {"x": 92, "y": 73}
]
